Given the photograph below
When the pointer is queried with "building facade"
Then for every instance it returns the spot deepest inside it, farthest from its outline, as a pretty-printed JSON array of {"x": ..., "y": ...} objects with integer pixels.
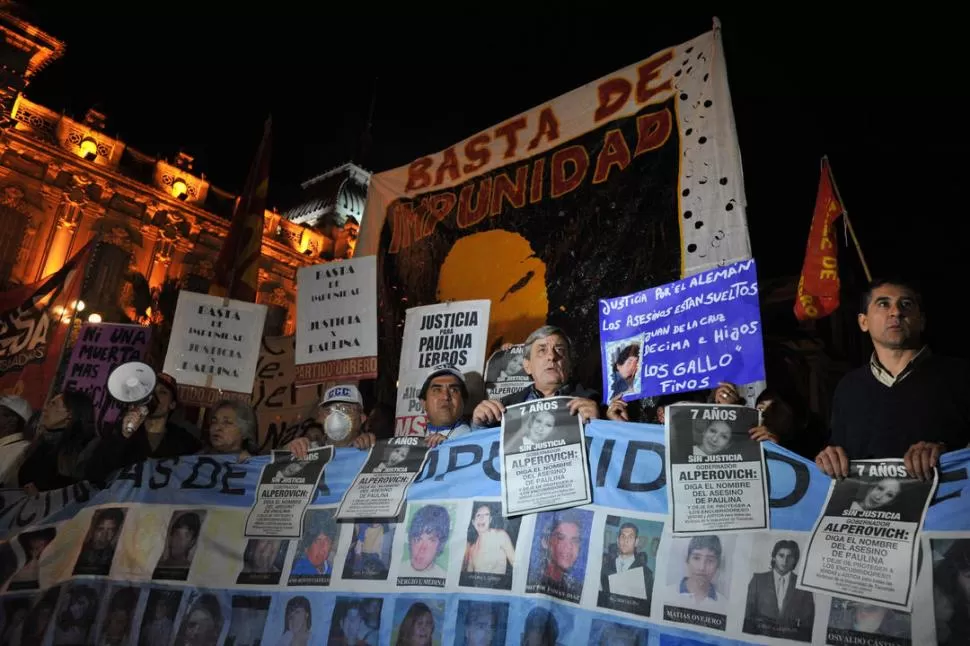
[{"x": 160, "y": 222}]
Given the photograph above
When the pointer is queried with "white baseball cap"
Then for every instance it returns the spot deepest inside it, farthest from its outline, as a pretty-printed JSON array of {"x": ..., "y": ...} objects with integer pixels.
[
  {"x": 18, "y": 405},
  {"x": 346, "y": 393}
]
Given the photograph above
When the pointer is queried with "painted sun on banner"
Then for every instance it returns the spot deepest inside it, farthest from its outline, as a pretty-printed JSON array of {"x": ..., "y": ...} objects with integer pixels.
[{"x": 580, "y": 198}]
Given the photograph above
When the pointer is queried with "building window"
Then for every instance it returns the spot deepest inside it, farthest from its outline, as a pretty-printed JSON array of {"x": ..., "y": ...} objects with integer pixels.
[
  {"x": 107, "y": 277},
  {"x": 196, "y": 283},
  {"x": 275, "y": 320},
  {"x": 13, "y": 229}
]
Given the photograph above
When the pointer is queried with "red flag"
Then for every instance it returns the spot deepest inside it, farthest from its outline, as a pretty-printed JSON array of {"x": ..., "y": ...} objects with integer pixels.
[
  {"x": 34, "y": 324},
  {"x": 237, "y": 268},
  {"x": 818, "y": 286}
]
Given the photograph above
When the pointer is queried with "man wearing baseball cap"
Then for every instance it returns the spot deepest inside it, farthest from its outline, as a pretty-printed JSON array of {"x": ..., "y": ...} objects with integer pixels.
[
  {"x": 443, "y": 396},
  {"x": 341, "y": 416},
  {"x": 15, "y": 412}
]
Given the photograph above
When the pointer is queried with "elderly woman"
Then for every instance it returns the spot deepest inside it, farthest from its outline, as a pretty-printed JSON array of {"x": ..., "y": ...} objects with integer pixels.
[{"x": 232, "y": 431}]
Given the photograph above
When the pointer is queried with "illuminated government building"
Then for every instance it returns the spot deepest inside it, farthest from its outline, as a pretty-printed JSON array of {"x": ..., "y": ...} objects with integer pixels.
[{"x": 64, "y": 181}]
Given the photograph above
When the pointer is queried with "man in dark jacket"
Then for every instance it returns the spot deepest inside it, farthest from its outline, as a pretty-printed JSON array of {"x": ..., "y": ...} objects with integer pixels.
[
  {"x": 141, "y": 437},
  {"x": 621, "y": 558},
  {"x": 906, "y": 402},
  {"x": 548, "y": 361}
]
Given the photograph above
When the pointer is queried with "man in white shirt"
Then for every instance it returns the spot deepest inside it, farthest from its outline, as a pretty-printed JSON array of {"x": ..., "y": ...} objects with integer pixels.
[
  {"x": 15, "y": 412},
  {"x": 774, "y": 607},
  {"x": 697, "y": 589},
  {"x": 624, "y": 559}
]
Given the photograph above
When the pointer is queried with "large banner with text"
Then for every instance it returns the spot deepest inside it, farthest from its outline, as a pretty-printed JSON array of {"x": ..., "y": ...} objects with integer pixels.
[
  {"x": 630, "y": 181},
  {"x": 162, "y": 554}
]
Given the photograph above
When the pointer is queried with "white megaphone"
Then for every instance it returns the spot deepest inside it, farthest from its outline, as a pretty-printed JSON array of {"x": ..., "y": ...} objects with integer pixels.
[{"x": 132, "y": 383}]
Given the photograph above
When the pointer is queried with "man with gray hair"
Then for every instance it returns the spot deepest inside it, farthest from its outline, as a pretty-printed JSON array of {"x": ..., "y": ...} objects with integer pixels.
[{"x": 548, "y": 360}]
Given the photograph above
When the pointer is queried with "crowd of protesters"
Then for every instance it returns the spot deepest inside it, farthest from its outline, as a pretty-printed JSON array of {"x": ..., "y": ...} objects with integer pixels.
[{"x": 903, "y": 387}]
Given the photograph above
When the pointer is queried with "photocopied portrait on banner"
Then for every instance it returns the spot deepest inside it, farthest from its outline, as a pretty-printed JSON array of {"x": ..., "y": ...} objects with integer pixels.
[
  {"x": 865, "y": 542},
  {"x": 715, "y": 472},
  {"x": 629, "y": 564},
  {"x": 544, "y": 464},
  {"x": 699, "y": 580},
  {"x": 490, "y": 548},
  {"x": 381, "y": 487},
  {"x": 286, "y": 488}
]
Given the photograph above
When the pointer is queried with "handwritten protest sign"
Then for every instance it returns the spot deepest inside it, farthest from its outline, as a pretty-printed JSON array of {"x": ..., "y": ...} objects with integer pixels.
[
  {"x": 336, "y": 330},
  {"x": 445, "y": 334},
  {"x": 683, "y": 336},
  {"x": 100, "y": 348},
  {"x": 214, "y": 347},
  {"x": 282, "y": 410}
]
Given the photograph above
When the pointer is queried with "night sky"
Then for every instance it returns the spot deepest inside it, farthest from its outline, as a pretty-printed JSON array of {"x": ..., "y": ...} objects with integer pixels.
[{"x": 885, "y": 98}]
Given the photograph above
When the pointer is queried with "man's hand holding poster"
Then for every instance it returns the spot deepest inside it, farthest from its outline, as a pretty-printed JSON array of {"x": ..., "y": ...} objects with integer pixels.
[
  {"x": 381, "y": 487},
  {"x": 543, "y": 457},
  {"x": 716, "y": 472},
  {"x": 864, "y": 544}
]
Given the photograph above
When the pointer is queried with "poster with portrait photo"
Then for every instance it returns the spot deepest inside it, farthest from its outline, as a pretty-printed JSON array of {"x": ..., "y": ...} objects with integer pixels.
[
  {"x": 505, "y": 372},
  {"x": 625, "y": 358},
  {"x": 15, "y": 610},
  {"x": 313, "y": 563},
  {"x": 247, "y": 620},
  {"x": 158, "y": 620},
  {"x": 951, "y": 589},
  {"x": 98, "y": 549},
  {"x": 612, "y": 633},
  {"x": 75, "y": 617},
  {"x": 481, "y": 623},
  {"x": 203, "y": 619},
  {"x": 774, "y": 606},
  {"x": 489, "y": 547},
  {"x": 424, "y": 559},
  {"x": 715, "y": 472},
  {"x": 865, "y": 541},
  {"x": 369, "y": 555},
  {"x": 560, "y": 545},
  {"x": 381, "y": 487},
  {"x": 296, "y": 619},
  {"x": 181, "y": 540},
  {"x": 286, "y": 488},
  {"x": 355, "y": 621},
  {"x": 628, "y": 570},
  {"x": 698, "y": 580},
  {"x": 544, "y": 623},
  {"x": 543, "y": 452},
  {"x": 116, "y": 622},
  {"x": 418, "y": 621},
  {"x": 40, "y": 617},
  {"x": 854, "y": 622},
  {"x": 32, "y": 544},
  {"x": 263, "y": 561}
]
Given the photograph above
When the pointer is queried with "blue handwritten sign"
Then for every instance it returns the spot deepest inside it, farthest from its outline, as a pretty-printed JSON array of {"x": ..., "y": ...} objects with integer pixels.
[{"x": 683, "y": 336}]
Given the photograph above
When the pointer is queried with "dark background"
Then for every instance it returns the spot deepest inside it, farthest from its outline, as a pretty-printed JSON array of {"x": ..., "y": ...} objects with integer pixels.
[{"x": 883, "y": 96}]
